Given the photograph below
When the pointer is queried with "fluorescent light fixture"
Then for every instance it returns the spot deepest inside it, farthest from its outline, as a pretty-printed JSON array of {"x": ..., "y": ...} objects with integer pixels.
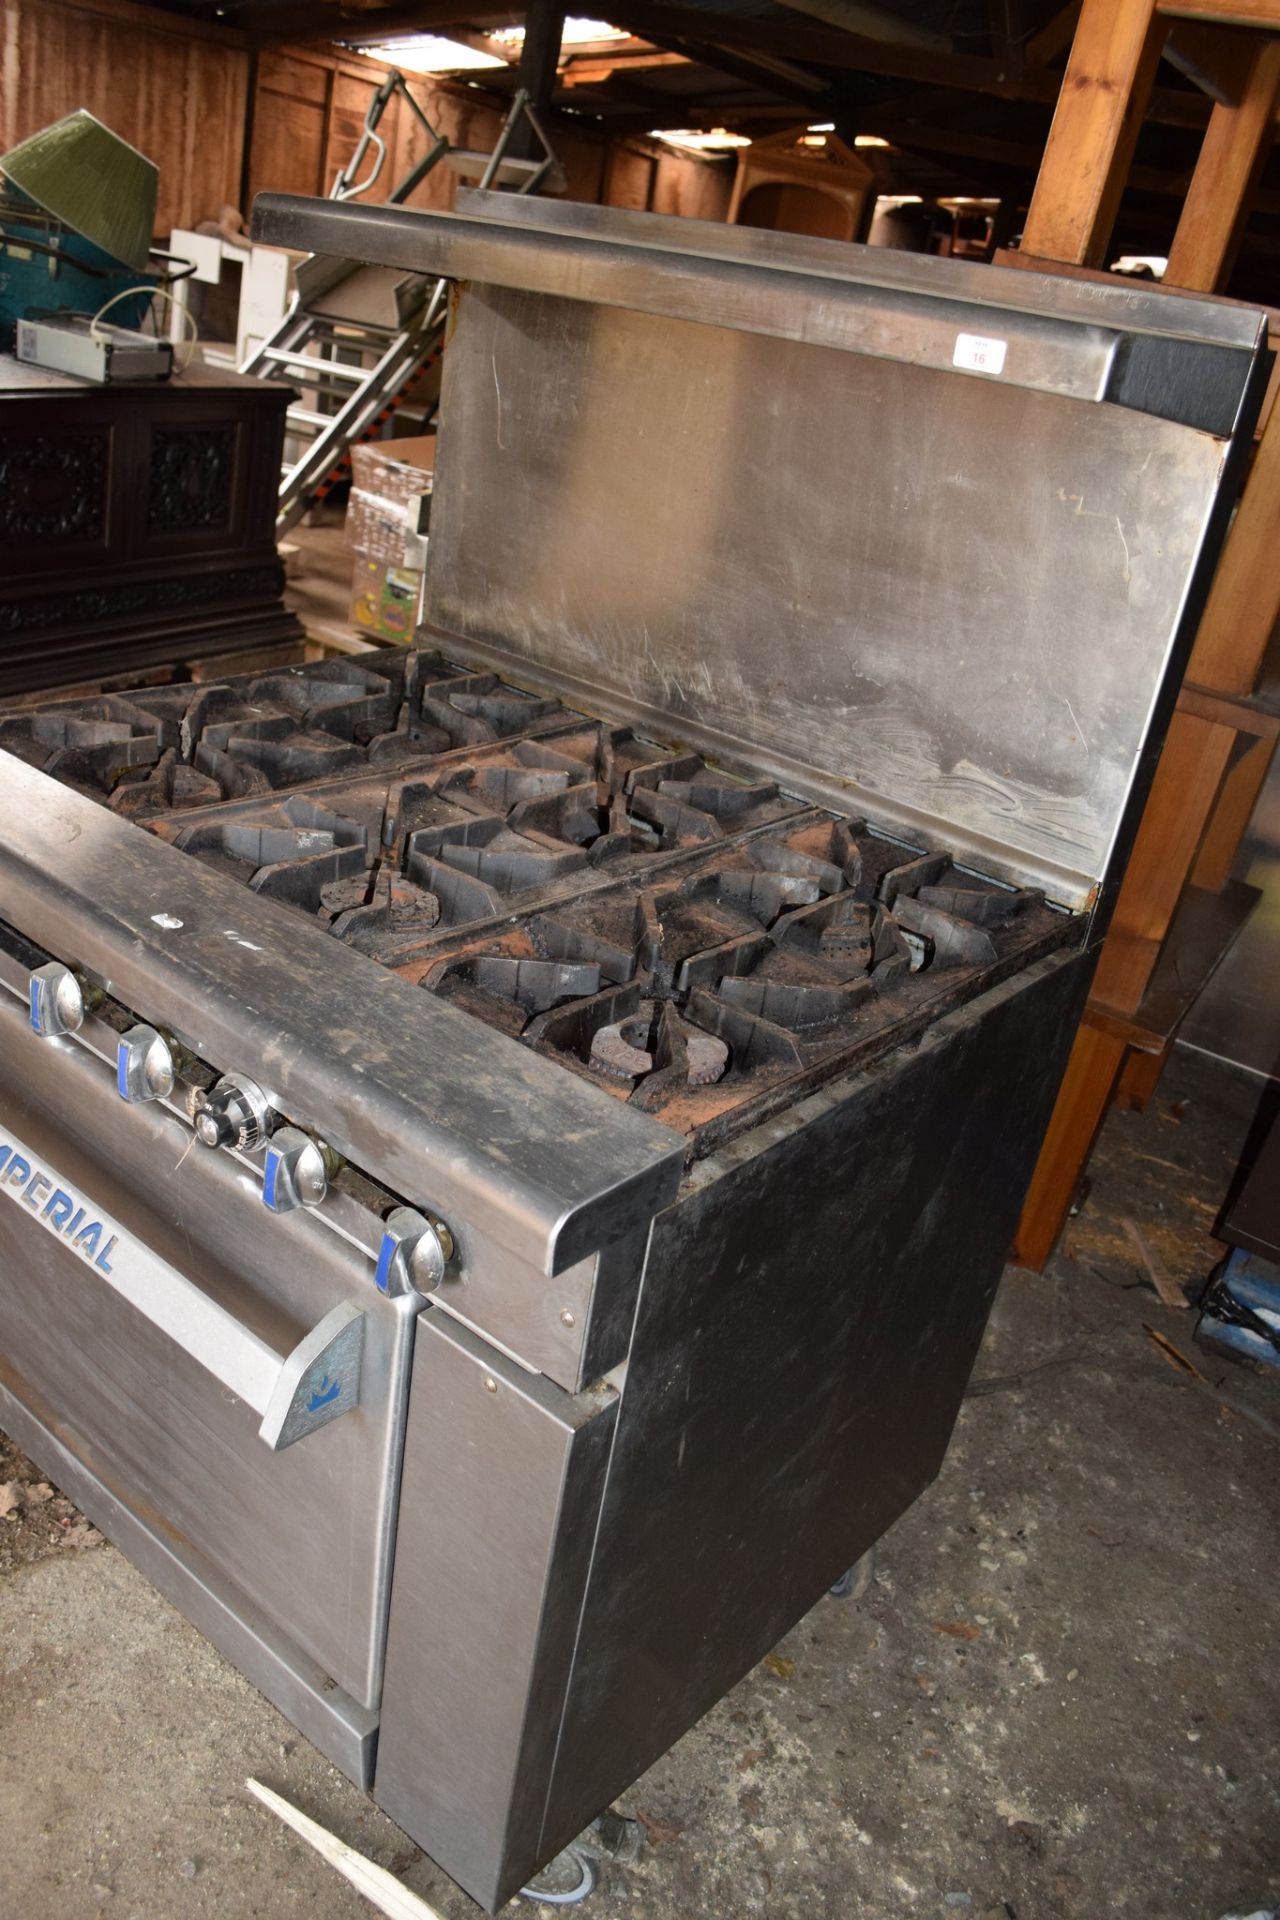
[
  {"x": 869, "y": 140},
  {"x": 692, "y": 140},
  {"x": 822, "y": 126},
  {"x": 432, "y": 53}
]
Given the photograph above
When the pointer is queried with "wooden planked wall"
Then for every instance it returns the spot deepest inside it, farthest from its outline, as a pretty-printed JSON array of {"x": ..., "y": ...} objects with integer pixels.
[
  {"x": 186, "y": 93},
  {"x": 176, "y": 89}
]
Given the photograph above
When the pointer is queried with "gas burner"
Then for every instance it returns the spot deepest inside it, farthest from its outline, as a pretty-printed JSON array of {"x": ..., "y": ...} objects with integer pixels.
[
  {"x": 480, "y": 709},
  {"x": 271, "y": 731},
  {"x": 289, "y": 851},
  {"x": 703, "y": 808},
  {"x": 87, "y": 744},
  {"x": 172, "y": 786},
  {"x": 699, "y": 987},
  {"x": 950, "y": 916},
  {"x": 378, "y": 911},
  {"x": 654, "y": 1038}
]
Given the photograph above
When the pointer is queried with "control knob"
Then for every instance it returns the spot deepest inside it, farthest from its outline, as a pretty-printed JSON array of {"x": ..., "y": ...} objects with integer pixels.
[
  {"x": 57, "y": 1000},
  {"x": 234, "y": 1113},
  {"x": 297, "y": 1171},
  {"x": 416, "y": 1248},
  {"x": 144, "y": 1065}
]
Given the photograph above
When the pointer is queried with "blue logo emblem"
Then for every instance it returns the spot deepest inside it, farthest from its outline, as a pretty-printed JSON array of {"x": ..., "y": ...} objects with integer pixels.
[{"x": 325, "y": 1394}]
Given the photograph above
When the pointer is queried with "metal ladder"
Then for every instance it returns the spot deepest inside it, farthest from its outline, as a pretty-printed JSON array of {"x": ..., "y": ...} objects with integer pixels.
[{"x": 356, "y": 336}]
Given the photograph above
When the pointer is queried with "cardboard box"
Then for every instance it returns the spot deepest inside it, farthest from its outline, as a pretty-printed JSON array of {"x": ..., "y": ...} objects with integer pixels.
[
  {"x": 385, "y": 600},
  {"x": 386, "y": 476}
]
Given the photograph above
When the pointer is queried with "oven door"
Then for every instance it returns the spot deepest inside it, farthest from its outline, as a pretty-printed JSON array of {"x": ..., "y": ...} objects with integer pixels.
[{"x": 217, "y": 1384}]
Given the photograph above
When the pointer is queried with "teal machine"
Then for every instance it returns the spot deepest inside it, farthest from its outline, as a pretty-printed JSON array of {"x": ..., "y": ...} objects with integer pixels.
[{"x": 77, "y": 212}]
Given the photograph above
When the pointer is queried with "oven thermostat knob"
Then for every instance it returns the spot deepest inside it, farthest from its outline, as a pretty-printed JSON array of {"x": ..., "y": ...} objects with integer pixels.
[
  {"x": 415, "y": 1250},
  {"x": 57, "y": 1002},
  {"x": 144, "y": 1065},
  {"x": 296, "y": 1173},
  {"x": 234, "y": 1113}
]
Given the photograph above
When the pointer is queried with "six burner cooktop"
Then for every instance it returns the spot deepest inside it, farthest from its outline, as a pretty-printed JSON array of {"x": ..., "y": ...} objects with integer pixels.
[{"x": 689, "y": 937}]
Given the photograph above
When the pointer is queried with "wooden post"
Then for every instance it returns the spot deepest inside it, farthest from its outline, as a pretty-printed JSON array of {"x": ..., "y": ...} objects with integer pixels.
[
  {"x": 1244, "y": 600},
  {"x": 1203, "y": 784},
  {"x": 1232, "y": 156},
  {"x": 1139, "y": 1079},
  {"x": 1105, "y": 92},
  {"x": 1188, "y": 779},
  {"x": 1240, "y": 790},
  {"x": 1083, "y": 1099},
  {"x": 1203, "y": 800}
]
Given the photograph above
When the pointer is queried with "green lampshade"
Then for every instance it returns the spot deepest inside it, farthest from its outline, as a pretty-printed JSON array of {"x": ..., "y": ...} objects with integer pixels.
[{"x": 92, "y": 181}]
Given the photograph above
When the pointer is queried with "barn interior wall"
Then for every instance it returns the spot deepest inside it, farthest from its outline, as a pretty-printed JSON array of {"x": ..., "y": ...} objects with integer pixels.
[{"x": 222, "y": 127}]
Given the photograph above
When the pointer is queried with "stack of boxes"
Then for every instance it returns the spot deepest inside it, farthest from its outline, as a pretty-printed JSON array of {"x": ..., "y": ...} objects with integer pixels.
[{"x": 386, "y": 524}]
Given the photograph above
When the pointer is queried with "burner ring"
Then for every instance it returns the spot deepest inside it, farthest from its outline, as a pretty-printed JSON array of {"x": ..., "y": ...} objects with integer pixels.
[
  {"x": 708, "y": 1059},
  {"x": 613, "y": 1053}
]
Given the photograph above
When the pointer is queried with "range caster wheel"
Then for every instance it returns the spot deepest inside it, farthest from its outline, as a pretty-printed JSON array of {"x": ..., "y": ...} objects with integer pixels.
[
  {"x": 565, "y": 1881},
  {"x": 854, "y": 1584},
  {"x": 574, "y": 1874}
]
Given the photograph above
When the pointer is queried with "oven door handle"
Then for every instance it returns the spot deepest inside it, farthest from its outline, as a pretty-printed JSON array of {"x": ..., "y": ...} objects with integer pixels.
[
  {"x": 295, "y": 1393},
  {"x": 317, "y": 1382}
]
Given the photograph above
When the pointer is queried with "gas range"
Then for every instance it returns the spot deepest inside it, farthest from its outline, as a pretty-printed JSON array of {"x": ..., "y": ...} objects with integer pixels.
[
  {"x": 690, "y": 938},
  {"x": 507, "y": 1147}
]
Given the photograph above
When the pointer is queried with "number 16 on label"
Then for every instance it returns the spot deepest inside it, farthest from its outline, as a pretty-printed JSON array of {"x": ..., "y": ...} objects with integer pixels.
[{"x": 979, "y": 353}]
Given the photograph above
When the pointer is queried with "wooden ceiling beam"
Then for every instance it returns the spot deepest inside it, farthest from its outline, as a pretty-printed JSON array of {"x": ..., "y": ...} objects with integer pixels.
[
  {"x": 829, "y": 46},
  {"x": 782, "y": 77},
  {"x": 856, "y": 16},
  {"x": 824, "y": 46},
  {"x": 1218, "y": 61},
  {"x": 1232, "y": 156},
  {"x": 1054, "y": 37},
  {"x": 1012, "y": 155},
  {"x": 1227, "y": 13},
  {"x": 622, "y": 117},
  {"x": 658, "y": 109},
  {"x": 483, "y": 43},
  {"x": 590, "y": 73}
]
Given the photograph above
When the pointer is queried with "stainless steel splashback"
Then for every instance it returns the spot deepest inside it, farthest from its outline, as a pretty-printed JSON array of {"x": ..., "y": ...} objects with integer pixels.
[{"x": 918, "y": 537}]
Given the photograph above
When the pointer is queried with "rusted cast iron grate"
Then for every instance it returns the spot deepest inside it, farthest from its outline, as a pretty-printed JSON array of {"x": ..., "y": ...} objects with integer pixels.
[{"x": 687, "y": 936}]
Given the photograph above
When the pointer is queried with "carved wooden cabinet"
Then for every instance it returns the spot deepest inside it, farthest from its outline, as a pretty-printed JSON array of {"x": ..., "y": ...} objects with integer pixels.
[{"x": 137, "y": 523}]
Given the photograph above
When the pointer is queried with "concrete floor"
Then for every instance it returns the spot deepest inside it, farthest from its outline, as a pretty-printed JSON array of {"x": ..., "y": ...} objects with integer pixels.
[{"x": 1059, "y": 1698}]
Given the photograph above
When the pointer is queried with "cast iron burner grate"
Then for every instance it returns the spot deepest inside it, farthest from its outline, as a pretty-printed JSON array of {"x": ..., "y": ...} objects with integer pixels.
[{"x": 691, "y": 939}]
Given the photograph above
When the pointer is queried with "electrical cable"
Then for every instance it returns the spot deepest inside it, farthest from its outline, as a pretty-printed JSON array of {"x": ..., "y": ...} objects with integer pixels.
[{"x": 156, "y": 293}]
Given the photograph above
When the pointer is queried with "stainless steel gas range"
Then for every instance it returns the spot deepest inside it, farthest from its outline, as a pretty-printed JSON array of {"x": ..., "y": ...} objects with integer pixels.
[{"x": 507, "y": 1147}]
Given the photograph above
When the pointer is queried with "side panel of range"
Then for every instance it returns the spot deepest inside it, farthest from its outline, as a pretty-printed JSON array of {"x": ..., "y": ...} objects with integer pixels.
[{"x": 810, "y": 1311}]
